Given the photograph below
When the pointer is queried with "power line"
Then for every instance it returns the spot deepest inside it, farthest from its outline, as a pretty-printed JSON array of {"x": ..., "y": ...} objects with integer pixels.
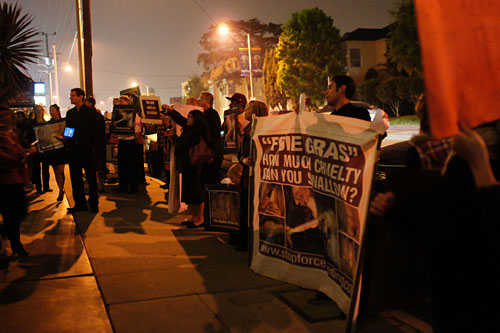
[
  {"x": 143, "y": 75},
  {"x": 204, "y": 11}
]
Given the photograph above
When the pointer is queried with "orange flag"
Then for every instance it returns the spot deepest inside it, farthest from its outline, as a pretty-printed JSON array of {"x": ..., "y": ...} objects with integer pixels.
[{"x": 460, "y": 45}]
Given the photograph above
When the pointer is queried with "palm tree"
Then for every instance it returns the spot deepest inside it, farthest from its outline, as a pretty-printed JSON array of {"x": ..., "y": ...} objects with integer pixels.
[{"x": 17, "y": 49}]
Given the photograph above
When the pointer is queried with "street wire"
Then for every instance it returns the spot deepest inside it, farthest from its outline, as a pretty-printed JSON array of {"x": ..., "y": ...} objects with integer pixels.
[
  {"x": 204, "y": 11},
  {"x": 144, "y": 75}
]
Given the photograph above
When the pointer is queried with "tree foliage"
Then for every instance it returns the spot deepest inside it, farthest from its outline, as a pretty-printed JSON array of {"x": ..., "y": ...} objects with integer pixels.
[
  {"x": 309, "y": 50},
  {"x": 194, "y": 87},
  {"x": 274, "y": 96},
  {"x": 367, "y": 92},
  {"x": 17, "y": 49},
  {"x": 403, "y": 44},
  {"x": 221, "y": 59}
]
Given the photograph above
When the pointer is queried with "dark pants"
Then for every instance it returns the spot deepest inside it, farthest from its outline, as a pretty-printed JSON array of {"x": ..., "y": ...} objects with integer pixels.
[
  {"x": 35, "y": 173},
  {"x": 141, "y": 175},
  {"x": 14, "y": 208},
  {"x": 128, "y": 172},
  {"x": 83, "y": 159},
  {"x": 209, "y": 175}
]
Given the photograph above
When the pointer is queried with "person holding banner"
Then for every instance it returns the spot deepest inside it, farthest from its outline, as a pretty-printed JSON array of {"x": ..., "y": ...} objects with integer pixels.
[
  {"x": 338, "y": 95},
  {"x": 57, "y": 158},
  {"x": 259, "y": 109}
]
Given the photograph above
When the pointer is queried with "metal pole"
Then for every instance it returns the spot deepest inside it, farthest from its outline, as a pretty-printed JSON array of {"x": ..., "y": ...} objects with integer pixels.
[
  {"x": 80, "y": 44},
  {"x": 50, "y": 88},
  {"x": 87, "y": 47},
  {"x": 250, "y": 65},
  {"x": 56, "y": 78}
]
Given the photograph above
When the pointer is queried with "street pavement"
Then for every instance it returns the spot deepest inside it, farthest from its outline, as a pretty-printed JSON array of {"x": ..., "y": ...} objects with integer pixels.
[{"x": 133, "y": 268}]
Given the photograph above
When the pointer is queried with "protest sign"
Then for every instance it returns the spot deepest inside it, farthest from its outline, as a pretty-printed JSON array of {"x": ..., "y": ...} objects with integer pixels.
[
  {"x": 462, "y": 75},
  {"x": 150, "y": 108},
  {"x": 123, "y": 118},
  {"x": 49, "y": 135},
  {"x": 224, "y": 207},
  {"x": 312, "y": 183},
  {"x": 231, "y": 129}
]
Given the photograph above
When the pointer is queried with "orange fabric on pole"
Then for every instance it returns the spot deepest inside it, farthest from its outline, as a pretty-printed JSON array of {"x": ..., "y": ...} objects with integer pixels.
[{"x": 460, "y": 46}]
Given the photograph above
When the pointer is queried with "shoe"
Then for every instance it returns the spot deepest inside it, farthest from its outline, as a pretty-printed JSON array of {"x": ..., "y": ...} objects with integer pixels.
[
  {"x": 48, "y": 190},
  {"x": 192, "y": 226},
  {"x": 77, "y": 209},
  {"x": 187, "y": 222},
  {"x": 119, "y": 190},
  {"x": 20, "y": 251},
  {"x": 60, "y": 197},
  {"x": 94, "y": 210}
]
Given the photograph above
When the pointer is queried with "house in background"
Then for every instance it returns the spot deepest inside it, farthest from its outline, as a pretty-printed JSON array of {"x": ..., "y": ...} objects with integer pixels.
[{"x": 365, "y": 49}]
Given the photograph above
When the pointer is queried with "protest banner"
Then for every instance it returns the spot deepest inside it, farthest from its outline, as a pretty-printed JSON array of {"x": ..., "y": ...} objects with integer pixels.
[
  {"x": 49, "y": 135},
  {"x": 312, "y": 181},
  {"x": 150, "y": 108}
]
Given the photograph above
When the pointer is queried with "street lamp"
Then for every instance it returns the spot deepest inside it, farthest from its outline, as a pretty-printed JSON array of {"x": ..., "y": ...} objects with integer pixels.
[
  {"x": 223, "y": 29},
  {"x": 137, "y": 84}
]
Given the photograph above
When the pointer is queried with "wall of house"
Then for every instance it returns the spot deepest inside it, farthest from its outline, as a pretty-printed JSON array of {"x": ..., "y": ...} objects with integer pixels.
[{"x": 372, "y": 55}]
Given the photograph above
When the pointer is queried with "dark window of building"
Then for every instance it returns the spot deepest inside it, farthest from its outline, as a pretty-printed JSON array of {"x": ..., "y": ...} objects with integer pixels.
[{"x": 355, "y": 57}]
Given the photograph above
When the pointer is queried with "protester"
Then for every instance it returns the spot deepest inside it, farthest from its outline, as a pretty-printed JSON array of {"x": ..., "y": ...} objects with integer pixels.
[
  {"x": 259, "y": 109},
  {"x": 238, "y": 102},
  {"x": 100, "y": 150},
  {"x": 57, "y": 158},
  {"x": 210, "y": 171},
  {"x": 13, "y": 204},
  {"x": 128, "y": 165},
  {"x": 194, "y": 129},
  {"x": 81, "y": 149},
  {"x": 338, "y": 95},
  {"x": 38, "y": 159}
]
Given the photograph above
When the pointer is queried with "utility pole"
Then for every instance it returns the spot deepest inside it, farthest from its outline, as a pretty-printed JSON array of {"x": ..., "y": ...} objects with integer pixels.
[
  {"x": 87, "y": 47},
  {"x": 80, "y": 44},
  {"x": 48, "y": 63}
]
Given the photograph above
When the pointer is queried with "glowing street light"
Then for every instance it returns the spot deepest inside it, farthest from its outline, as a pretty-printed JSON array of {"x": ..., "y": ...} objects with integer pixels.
[
  {"x": 67, "y": 67},
  {"x": 223, "y": 29},
  {"x": 136, "y": 83}
]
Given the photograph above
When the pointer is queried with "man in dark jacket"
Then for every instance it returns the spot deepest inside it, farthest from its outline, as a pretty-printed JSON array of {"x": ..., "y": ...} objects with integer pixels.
[
  {"x": 339, "y": 94},
  {"x": 82, "y": 148}
]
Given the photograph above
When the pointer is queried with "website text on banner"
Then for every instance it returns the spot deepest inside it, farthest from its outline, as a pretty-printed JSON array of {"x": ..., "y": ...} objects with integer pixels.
[{"x": 313, "y": 175}]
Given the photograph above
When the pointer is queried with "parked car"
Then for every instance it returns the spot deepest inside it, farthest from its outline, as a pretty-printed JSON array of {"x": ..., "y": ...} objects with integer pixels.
[{"x": 372, "y": 109}]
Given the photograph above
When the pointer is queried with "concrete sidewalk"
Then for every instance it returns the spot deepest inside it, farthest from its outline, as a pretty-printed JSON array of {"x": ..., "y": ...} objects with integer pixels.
[{"x": 133, "y": 268}]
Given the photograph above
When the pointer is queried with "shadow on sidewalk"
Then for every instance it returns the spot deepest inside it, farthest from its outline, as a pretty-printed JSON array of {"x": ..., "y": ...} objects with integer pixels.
[
  {"x": 240, "y": 299},
  {"x": 58, "y": 257}
]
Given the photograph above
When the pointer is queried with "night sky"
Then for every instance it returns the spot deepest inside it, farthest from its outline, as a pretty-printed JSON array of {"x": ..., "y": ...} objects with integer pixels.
[{"x": 157, "y": 42}]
